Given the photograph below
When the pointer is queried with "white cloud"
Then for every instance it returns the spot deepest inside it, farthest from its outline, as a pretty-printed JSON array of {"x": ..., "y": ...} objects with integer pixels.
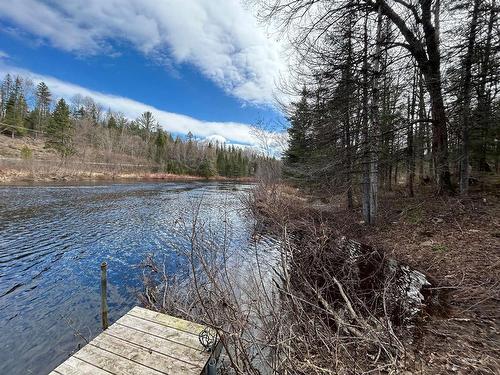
[
  {"x": 3, "y": 55},
  {"x": 216, "y": 138},
  {"x": 219, "y": 37},
  {"x": 232, "y": 132}
]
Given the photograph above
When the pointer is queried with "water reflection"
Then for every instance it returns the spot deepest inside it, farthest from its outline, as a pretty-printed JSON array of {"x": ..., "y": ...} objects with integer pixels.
[{"x": 52, "y": 240}]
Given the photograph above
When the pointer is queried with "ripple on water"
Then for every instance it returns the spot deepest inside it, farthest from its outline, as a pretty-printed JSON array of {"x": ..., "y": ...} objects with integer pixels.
[{"x": 52, "y": 240}]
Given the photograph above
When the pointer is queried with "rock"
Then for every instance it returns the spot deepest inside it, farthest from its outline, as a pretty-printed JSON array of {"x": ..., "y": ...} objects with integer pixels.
[{"x": 401, "y": 286}]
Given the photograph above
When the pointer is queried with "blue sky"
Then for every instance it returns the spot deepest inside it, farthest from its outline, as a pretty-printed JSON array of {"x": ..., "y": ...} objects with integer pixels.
[{"x": 201, "y": 66}]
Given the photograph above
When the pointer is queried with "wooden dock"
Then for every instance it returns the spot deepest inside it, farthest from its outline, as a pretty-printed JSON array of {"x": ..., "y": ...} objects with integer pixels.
[{"x": 142, "y": 342}]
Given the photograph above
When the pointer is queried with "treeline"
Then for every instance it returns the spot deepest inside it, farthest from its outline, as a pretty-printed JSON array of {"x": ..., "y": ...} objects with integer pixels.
[
  {"x": 392, "y": 92},
  {"x": 85, "y": 129}
]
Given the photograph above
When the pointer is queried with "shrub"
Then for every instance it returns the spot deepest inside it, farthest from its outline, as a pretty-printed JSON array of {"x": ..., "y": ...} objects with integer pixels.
[{"x": 26, "y": 153}]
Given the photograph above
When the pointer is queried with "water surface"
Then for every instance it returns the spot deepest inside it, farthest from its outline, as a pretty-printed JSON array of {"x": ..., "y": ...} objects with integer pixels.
[{"x": 53, "y": 239}]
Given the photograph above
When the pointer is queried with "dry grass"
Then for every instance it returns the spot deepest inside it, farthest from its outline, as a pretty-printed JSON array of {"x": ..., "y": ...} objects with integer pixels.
[
  {"x": 455, "y": 241},
  {"x": 43, "y": 165}
]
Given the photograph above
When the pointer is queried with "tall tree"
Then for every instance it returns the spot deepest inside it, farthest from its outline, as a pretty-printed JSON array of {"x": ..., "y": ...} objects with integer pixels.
[
  {"x": 15, "y": 114},
  {"x": 42, "y": 106},
  {"x": 5, "y": 94},
  {"x": 466, "y": 99},
  {"x": 426, "y": 52},
  {"x": 147, "y": 123},
  {"x": 488, "y": 67},
  {"x": 60, "y": 130},
  {"x": 112, "y": 124},
  {"x": 299, "y": 135}
]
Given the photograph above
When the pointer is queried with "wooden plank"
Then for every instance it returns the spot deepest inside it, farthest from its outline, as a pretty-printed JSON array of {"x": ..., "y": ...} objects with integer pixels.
[
  {"x": 149, "y": 357},
  {"x": 159, "y": 330},
  {"x": 157, "y": 344},
  {"x": 113, "y": 363},
  {"x": 167, "y": 320},
  {"x": 75, "y": 366},
  {"x": 142, "y": 342}
]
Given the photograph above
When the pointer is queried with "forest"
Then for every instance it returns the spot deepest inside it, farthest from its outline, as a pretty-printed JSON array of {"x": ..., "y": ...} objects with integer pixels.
[
  {"x": 83, "y": 127},
  {"x": 389, "y": 189},
  {"x": 392, "y": 92}
]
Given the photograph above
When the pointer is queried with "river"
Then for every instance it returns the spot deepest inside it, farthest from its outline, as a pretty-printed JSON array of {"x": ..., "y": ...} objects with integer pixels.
[{"x": 53, "y": 239}]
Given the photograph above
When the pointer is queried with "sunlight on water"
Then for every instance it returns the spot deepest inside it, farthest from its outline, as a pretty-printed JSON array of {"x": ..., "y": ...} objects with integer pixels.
[{"x": 52, "y": 241}]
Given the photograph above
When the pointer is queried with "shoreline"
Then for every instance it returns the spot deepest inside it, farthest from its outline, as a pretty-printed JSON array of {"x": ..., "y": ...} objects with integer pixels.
[
  {"x": 15, "y": 176},
  {"x": 433, "y": 235}
]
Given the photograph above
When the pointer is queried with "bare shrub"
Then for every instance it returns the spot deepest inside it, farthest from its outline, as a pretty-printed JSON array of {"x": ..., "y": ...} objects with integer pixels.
[{"x": 311, "y": 303}]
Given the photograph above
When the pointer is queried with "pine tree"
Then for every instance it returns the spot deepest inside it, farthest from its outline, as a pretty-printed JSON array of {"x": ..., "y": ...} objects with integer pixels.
[
  {"x": 112, "y": 124},
  {"x": 207, "y": 167},
  {"x": 59, "y": 130},
  {"x": 5, "y": 93},
  {"x": 160, "y": 144},
  {"x": 220, "y": 161},
  {"x": 42, "y": 106},
  {"x": 299, "y": 142},
  {"x": 10, "y": 113},
  {"x": 15, "y": 113}
]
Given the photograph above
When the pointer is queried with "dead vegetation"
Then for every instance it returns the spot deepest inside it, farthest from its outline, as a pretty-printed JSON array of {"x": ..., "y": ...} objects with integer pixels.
[
  {"x": 417, "y": 294},
  {"x": 453, "y": 241},
  {"x": 27, "y": 160}
]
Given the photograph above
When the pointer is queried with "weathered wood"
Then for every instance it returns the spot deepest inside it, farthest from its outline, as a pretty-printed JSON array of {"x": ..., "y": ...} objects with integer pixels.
[
  {"x": 167, "y": 320},
  {"x": 75, "y": 366},
  {"x": 157, "y": 344},
  {"x": 111, "y": 362},
  {"x": 142, "y": 342},
  {"x": 104, "y": 301},
  {"x": 171, "y": 334},
  {"x": 165, "y": 363}
]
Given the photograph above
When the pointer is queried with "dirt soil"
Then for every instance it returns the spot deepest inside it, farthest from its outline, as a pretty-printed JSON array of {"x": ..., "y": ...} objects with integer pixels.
[{"x": 455, "y": 241}]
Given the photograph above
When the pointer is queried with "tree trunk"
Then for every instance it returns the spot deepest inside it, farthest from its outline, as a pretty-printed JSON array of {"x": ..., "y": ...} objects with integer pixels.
[
  {"x": 366, "y": 140},
  {"x": 410, "y": 139},
  {"x": 347, "y": 114},
  {"x": 466, "y": 99},
  {"x": 370, "y": 174},
  {"x": 432, "y": 76},
  {"x": 422, "y": 138},
  {"x": 483, "y": 96},
  {"x": 439, "y": 134},
  {"x": 428, "y": 58},
  {"x": 375, "y": 122}
]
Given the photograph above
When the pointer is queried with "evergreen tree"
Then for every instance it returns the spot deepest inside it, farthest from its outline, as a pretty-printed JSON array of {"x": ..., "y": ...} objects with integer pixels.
[
  {"x": 300, "y": 127},
  {"x": 10, "y": 112},
  {"x": 112, "y": 124},
  {"x": 15, "y": 113},
  {"x": 220, "y": 161},
  {"x": 5, "y": 93},
  {"x": 59, "y": 130},
  {"x": 160, "y": 144},
  {"x": 207, "y": 167},
  {"x": 42, "y": 106}
]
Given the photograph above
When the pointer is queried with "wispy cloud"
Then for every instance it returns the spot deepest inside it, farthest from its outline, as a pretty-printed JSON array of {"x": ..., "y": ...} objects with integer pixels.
[
  {"x": 220, "y": 38},
  {"x": 173, "y": 122},
  {"x": 3, "y": 55}
]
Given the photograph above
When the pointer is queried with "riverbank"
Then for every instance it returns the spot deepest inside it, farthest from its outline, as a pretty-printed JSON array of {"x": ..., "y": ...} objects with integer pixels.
[
  {"x": 61, "y": 174},
  {"x": 25, "y": 160},
  {"x": 453, "y": 241},
  {"x": 53, "y": 240}
]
